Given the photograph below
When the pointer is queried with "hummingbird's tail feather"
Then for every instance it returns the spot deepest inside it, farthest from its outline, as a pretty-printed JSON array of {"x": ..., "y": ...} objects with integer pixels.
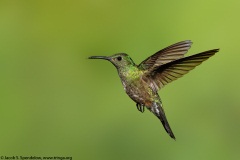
[{"x": 158, "y": 111}]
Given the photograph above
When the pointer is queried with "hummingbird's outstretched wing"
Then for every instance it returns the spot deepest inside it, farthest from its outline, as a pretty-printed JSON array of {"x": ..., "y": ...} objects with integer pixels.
[
  {"x": 166, "y": 73},
  {"x": 166, "y": 55},
  {"x": 158, "y": 111}
]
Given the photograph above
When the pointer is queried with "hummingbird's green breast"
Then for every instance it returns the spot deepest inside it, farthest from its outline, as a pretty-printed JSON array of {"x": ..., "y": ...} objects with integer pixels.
[{"x": 136, "y": 85}]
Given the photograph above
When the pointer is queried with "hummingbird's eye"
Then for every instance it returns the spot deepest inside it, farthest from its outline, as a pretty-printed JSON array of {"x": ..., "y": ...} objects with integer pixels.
[{"x": 119, "y": 58}]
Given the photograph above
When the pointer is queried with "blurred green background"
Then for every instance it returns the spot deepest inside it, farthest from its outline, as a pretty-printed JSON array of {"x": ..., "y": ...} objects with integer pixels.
[{"x": 54, "y": 101}]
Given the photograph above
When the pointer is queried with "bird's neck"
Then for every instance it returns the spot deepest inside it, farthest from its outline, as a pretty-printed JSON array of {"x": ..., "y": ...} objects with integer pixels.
[{"x": 129, "y": 73}]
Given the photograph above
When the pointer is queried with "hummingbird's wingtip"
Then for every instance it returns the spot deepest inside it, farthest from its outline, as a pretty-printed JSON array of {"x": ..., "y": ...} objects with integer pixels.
[{"x": 215, "y": 50}]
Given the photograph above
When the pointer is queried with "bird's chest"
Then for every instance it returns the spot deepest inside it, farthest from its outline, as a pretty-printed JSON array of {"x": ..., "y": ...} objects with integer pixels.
[{"x": 138, "y": 90}]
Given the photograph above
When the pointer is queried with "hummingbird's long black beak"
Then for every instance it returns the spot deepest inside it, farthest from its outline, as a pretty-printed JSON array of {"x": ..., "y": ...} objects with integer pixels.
[{"x": 99, "y": 57}]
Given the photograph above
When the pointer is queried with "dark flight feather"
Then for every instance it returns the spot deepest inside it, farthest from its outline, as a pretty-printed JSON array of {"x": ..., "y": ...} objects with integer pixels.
[
  {"x": 171, "y": 71},
  {"x": 166, "y": 55}
]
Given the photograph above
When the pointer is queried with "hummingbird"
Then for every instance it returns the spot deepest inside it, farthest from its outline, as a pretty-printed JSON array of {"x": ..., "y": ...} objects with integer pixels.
[{"x": 142, "y": 82}]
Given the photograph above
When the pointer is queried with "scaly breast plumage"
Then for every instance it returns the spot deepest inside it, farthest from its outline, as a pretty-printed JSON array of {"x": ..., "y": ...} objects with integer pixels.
[{"x": 140, "y": 92}]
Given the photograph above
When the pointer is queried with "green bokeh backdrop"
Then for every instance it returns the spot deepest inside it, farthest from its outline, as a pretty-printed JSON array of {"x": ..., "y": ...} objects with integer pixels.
[{"x": 56, "y": 102}]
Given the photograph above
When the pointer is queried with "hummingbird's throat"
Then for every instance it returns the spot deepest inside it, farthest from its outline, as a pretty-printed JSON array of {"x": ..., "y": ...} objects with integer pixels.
[{"x": 131, "y": 73}]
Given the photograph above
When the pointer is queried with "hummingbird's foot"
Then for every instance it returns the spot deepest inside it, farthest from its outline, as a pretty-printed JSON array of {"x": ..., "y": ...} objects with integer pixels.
[{"x": 140, "y": 107}]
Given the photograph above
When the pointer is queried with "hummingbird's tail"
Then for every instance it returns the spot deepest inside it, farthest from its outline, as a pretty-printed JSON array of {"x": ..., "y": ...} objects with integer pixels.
[{"x": 158, "y": 111}]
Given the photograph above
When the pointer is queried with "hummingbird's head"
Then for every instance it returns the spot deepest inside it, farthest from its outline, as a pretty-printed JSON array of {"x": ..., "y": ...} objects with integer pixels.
[{"x": 119, "y": 60}]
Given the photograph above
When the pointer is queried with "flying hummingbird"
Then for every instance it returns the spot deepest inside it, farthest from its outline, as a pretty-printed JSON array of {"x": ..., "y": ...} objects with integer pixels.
[{"x": 142, "y": 82}]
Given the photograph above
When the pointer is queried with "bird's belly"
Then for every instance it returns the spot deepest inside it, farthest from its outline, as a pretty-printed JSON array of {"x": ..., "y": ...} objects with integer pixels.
[{"x": 141, "y": 94}]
